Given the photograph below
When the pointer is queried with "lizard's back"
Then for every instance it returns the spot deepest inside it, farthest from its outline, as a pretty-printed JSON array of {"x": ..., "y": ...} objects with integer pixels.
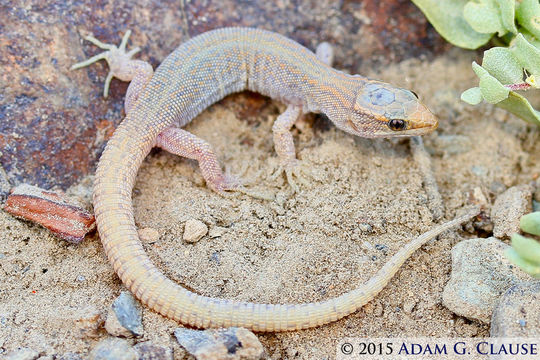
[{"x": 217, "y": 63}]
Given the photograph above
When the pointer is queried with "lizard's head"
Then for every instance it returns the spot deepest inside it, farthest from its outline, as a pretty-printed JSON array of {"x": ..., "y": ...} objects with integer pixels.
[{"x": 382, "y": 110}]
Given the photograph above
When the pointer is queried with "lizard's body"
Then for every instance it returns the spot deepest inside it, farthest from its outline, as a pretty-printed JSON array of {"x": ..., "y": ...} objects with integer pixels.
[{"x": 198, "y": 73}]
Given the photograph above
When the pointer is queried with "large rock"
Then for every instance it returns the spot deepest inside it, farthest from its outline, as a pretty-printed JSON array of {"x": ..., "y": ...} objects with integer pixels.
[
  {"x": 221, "y": 344},
  {"x": 517, "y": 313},
  {"x": 113, "y": 349},
  {"x": 509, "y": 207},
  {"x": 22, "y": 354},
  {"x": 125, "y": 317},
  {"x": 480, "y": 274},
  {"x": 54, "y": 122}
]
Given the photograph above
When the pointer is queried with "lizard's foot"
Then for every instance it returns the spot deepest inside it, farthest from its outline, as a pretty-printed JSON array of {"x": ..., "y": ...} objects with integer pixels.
[
  {"x": 229, "y": 185},
  {"x": 183, "y": 143},
  {"x": 118, "y": 59},
  {"x": 225, "y": 185},
  {"x": 294, "y": 172}
]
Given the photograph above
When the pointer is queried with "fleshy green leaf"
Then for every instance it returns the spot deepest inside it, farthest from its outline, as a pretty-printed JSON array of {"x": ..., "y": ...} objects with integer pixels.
[
  {"x": 530, "y": 223},
  {"x": 508, "y": 10},
  {"x": 492, "y": 89},
  {"x": 503, "y": 65},
  {"x": 526, "y": 266},
  {"x": 528, "y": 249},
  {"x": 490, "y": 16},
  {"x": 519, "y": 106},
  {"x": 447, "y": 18},
  {"x": 472, "y": 96},
  {"x": 528, "y": 16},
  {"x": 527, "y": 55},
  {"x": 529, "y": 37}
]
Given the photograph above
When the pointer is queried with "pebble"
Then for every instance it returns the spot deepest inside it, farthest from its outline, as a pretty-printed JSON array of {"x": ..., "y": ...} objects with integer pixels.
[
  {"x": 508, "y": 208},
  {"x": 517, "y": 313},
  {"x": 52, "y": 210},
  {"x": 124, "y": 317},
  {"x": 365, "y": 227},
  {"x": 22, "y": 354},
  {"x": 408, "y": 306},
  {"x": 217, "y": 231},
  {"x": 113, "y": 349},
  {"x": 148, "y": 235},
  {"x": 148, "y": 351},
  {"x": 230, "y": 343},
  {"x": 194, "y": 230},
  {"x": 480, "y": 274},
  {"x": 88, "y": 322}
]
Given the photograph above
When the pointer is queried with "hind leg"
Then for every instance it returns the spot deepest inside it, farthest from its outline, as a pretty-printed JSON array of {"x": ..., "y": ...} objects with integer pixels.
[{"x": 183, "y": 143}]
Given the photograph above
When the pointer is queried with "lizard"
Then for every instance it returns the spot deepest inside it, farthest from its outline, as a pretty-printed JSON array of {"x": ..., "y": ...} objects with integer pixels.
[{"x": 198, "y": 73}]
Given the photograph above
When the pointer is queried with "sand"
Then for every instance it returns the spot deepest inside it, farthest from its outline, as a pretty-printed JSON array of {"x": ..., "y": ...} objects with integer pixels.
[{"x": 364, "y": 201}]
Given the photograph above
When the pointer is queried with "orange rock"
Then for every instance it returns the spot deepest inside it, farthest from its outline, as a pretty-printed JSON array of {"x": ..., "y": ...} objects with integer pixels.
[{"x": 51, "y": 210}]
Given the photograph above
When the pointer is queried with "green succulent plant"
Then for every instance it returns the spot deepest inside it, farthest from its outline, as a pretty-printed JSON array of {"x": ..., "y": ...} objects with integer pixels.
[
  {"x": 505, "y": 71},
  {"x": 525, "y": 252}
]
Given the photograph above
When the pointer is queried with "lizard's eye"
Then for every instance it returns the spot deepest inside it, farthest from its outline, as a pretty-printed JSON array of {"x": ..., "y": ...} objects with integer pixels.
[
  {"x": 397, "y": 124},
  {"x": 415, "y": 94}
]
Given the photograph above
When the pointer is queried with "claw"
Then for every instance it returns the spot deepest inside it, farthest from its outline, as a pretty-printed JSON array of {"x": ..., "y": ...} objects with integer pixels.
[
  {"x": 229, "y": 185},
  {"x": 294, "y": 172},
  {"x": 225, "y": 185},
  {"x": 114, "y": 56}
]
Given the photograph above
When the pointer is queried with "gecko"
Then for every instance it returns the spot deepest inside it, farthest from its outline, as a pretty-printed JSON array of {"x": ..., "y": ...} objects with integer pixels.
[{"x": 198, "y": 73}]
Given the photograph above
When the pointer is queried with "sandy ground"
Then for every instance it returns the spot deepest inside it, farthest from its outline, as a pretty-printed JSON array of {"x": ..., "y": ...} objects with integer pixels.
[{"x": 299, "y": 248}]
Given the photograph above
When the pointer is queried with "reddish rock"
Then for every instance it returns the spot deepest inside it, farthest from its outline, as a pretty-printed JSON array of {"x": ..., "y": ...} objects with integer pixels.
[
  {"x": 51, "y": 210},
  {"x": 54, "y": 123}
]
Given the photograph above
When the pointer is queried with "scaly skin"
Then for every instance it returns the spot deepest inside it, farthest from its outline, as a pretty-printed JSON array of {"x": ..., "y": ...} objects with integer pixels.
[{"x": 198, "y": 73}]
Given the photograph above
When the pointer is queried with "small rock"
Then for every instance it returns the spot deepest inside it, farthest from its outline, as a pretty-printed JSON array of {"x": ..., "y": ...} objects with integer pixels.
[
  {"x": 508, "y": 208},
  {"x": 409, "y": 305},
  {"x": 365, "y": 227},
  {"x": 148, "y": 235},
  {"x": 480, "y": 274},
  {"x": 22, "y": 354},
  {"x": 113, "y": 349},
  {"x": 194, "y": 230},
  {"x": 216, "y": 231},
  {"x": 51, "y": 210},
  {"x": 88, "y": 322},
  {"x": 517, "y": 313},
  {"x": 149, "y": 351},
  {"x": 227, "y": 344},
  {"x": 124, "y": 317}
]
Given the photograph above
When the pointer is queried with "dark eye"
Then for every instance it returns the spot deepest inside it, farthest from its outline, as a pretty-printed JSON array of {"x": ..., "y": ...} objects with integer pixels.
[
  {"x": 415, "y": 94},
  {"x": 397, "y": 124}
]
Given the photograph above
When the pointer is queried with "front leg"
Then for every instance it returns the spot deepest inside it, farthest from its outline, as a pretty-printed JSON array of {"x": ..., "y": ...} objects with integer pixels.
[
  {"x": 283, "y": 139},
  {"x": 284, "y": 145},
  {"x": 122, "y": 67}
]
